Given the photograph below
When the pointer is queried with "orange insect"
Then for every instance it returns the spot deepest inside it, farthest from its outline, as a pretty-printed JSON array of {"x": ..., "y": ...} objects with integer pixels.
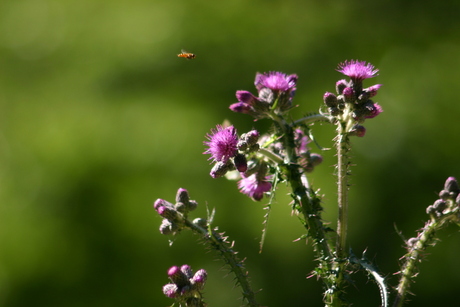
[{"x": 187, "y": 55}]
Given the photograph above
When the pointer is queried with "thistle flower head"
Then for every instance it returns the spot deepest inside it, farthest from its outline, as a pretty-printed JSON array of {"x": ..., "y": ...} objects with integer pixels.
[
  {"x": 254, "y": 187},
  {"x": 222, "y": 143},
  {"x": 276, "y": 81},
  {"x": 357, "y": 70}
]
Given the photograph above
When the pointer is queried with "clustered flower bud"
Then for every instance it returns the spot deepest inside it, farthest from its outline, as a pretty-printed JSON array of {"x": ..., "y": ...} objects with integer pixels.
[
  {"x": 185, "y": 286},
  {"x": 352, "y": 103},
  {"x": 276, "y": 91},
  {"x": 449, "y": 199},
  {"x": 174, "y": 215}
]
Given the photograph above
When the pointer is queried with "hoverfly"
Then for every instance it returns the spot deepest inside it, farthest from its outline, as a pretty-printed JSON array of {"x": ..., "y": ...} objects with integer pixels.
[{"x": 187, "y": 55}]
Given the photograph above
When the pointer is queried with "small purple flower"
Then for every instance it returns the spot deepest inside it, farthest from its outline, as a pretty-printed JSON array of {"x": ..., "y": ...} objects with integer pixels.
[
  {"x": 357, "y": 71},
  {"x": 276, "y": 81},
  {"x": 222, "y": 143},
  {"x": 253, "y": 187}
]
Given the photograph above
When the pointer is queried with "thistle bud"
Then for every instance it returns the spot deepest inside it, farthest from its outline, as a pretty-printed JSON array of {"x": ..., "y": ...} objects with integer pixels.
[
  {"x": 199, "y": 279},
  {"x": 171, "y": 290},
  {"x": 219, "y": 169},
  {"x": 192, "y": 205},
  {"x": 452, "y": 187},
  {"x": 348, "y": 94},
  {"x": 330, "y": 100},
  {"x": 341, "y": 85},
  {"x": 372, "y": 90},
  {"x": 358, "y": 131},
  {"x": 166, "y": 212},
  {"x": 182, "y": 196},
  {"x": 187, "y": 270},
  {"x": 241, "y": 163},
  {"x": 178, "y": 277},
  {"x": 168, "y": 227},
  {"x": 162, "y": 203}
]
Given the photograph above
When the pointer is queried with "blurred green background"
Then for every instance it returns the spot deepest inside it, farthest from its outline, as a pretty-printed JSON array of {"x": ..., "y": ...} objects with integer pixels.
[{"x": 99, "y": 118}]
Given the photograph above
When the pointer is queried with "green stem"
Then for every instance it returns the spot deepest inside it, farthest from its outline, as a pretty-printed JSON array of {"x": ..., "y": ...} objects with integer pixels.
[
  {"x": 271, "y": 155},
  {"x": 424, "y": 239},
  {"x": 219, "y": 243},
  {"x": 340, "y": 263},
  {"x": 343, "y": 147},
  {"x": 308, "y": 204},
  {"x": 310, "y": 119}
]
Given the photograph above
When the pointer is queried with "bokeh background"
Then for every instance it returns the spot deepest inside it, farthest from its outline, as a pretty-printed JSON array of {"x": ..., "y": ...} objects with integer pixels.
[{"x": 99, "y": 117}]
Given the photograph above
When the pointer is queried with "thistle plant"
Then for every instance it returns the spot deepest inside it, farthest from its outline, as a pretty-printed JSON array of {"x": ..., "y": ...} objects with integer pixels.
[{"x": 262, "y": 160}]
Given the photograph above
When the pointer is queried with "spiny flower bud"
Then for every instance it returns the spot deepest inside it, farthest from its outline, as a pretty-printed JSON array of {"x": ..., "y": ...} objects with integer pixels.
[
  {"x": 348, "y": 94},
  {"x": 335, "y": 111},
  {"x": 177, "y": 276},
  {"x": 182, "y": 196},
  {"x": 183, "y": 202},
  {"x": 315, "y": 159},
  {"x": 437, "y": 208},
  {"x": 240, "y": 163},
  {"x": 372, "y": 90},
  {"x": 220, "y": 168},
  {"x": 166, "y": 212},
  {"x": 171, "y": 290},
  {"x": 162, "y": 203},
  {"x": 341, "y": 85},
  {"x": 187, "y": 270},
  {"x": 330, "y": 99},
  {"x": 411, "y": 242},
  {"x": 358, "y": 131},
  {"x": 185, "y": 285},
  {"x": 248, "y": 139},
  {"x": 444, "y": 195},
  {"x": 168, "y": 227},
  {"x": 199, "y": 279},
  {"x": 451, "y": 186},
  {"x": 181, "y": 207}
]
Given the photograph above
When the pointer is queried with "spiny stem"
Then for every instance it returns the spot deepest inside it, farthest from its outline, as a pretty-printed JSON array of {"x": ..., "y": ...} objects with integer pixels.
[
  {"x": 424, "y": 239},
  {"x": 307, "y": 201},
  {"x": 343, "y": 147},
  {"x": 219, "y": 243}
]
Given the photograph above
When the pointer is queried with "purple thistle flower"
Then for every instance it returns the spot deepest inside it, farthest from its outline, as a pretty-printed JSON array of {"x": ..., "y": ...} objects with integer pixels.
[
  {"x": 222, "y": 143},
  {"x": 276, "y": 81},
  {"x": 357, "y": 71},
  {"x": 253, "y": 187}
]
